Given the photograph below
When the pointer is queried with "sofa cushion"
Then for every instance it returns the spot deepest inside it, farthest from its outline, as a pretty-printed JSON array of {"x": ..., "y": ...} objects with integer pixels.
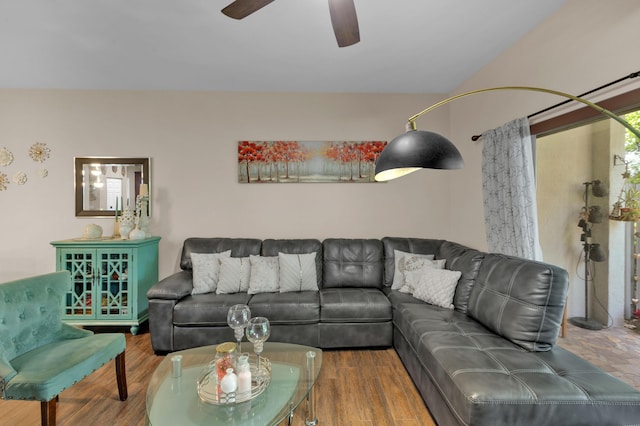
[
  {"x": 396, "y": 297},
  {"x": 520, "y": 299},
  {"x": 298, "y": 307},
  {"x": 465, "y": 260},
  {"x": 348, "y": 305},
  {"x": 419, "y": 321},
  {"x": 352, "y": 263},
  {"x": 45, "y": 371},
  {"x": 240, "y": 247},
  {"x": 206, "y": 309},
  {"x": 410, "y": 245}
]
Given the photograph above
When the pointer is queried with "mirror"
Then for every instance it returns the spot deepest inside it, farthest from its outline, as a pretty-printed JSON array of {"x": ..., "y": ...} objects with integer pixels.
[{"x": 101, "y": 183}]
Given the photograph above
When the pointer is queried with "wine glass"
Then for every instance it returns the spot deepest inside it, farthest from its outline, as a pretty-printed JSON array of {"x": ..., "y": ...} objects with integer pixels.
[
  {"x": 258, "y": 331},
  {"x": 238, "y": 318}
]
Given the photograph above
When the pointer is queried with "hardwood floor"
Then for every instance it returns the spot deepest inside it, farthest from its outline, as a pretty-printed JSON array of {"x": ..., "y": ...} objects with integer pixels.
[
  {"x": 367, "y": 387},
  {"x": 355, "y": 387},
  {"x": 363, "y": 387}
]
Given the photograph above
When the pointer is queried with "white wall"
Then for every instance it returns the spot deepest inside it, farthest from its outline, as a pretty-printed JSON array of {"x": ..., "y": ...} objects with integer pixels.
[
  {"x": 191, "y": 139},
  {"x": 563, "y": 163}
]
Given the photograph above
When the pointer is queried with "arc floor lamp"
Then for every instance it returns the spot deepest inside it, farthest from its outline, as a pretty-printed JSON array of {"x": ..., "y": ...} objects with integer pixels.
[{"x": 419, "y": 149}]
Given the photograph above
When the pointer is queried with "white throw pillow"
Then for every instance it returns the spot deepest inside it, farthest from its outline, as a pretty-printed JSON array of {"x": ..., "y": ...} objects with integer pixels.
[
  {"x": 437, "y": 287},
  {"x": 297, "y": 272},
  {"x": 400, "y": 260},
  {"x": 234, "y": 275},
  {"x": 206, "y": 268},
  {"x": 265, "y": 274},
  {"x": 414, "y": 271}
]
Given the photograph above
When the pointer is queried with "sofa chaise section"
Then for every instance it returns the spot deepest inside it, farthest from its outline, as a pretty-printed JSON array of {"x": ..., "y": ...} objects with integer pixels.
[
  {"x": 493, "y": 360},
  {"x": 468, "y": 375}
]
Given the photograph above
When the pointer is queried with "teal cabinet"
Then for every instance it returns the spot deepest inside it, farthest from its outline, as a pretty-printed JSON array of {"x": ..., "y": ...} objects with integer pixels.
[{"x": 109, "y": 280}]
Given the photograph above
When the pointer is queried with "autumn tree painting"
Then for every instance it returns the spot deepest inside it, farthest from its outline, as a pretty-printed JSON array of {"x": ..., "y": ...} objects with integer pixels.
[{"x": 307, "y": 161}]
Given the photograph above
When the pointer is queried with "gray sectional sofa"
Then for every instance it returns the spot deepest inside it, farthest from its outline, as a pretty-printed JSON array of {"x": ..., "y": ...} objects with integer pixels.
[{"x": 491, "y": 360}]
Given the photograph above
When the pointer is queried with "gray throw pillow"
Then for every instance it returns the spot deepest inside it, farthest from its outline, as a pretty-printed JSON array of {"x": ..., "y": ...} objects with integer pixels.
[
  {"x": 265, "y": 274},
  {"x": 206, "y": 268},
  {"x": 414, "y": 271},
  {"x": 297, "y": 272},
  {"x": 437, "y": 287},
  {"x": 234, "y": 275},
  {"x": 401, "y": 259}
]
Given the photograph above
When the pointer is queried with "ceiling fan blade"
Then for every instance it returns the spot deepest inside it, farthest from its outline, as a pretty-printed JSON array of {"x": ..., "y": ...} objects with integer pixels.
[
  {"x": 242, "y": 8},
  {"x": 344, "y": 21}
]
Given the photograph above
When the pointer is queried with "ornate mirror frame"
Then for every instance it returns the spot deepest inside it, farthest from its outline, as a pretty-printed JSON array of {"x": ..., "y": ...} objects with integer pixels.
[{"x": 93, "y": 199}]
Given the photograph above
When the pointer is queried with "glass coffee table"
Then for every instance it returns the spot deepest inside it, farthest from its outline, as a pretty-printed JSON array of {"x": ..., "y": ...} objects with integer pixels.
[{"x": 175, "y": 400}]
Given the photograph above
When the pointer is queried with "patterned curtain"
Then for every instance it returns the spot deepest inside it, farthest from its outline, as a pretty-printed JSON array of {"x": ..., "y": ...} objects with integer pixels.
[{"x": 508, "y": 183}]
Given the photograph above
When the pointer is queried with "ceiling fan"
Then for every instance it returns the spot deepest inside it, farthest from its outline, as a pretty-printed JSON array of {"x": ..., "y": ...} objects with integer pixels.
[{"x": 343, "y": 17}]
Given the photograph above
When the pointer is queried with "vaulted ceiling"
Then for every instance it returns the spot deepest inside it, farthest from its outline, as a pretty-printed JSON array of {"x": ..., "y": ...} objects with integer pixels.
[{"x": 407, "y": 46}]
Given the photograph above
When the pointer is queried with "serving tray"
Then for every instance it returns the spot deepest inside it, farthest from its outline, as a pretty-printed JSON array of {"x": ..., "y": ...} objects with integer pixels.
[{"x": 209, "y": 389}]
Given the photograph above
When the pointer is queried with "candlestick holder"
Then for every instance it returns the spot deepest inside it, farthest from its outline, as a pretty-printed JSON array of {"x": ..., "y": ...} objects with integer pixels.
[{"x": 116, "y": 224}]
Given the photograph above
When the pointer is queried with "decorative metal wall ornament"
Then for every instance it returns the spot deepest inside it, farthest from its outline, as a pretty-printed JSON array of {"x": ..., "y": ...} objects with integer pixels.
[
  {"x": 4, "y": 181},
  {"x": 20, "y": 178},
  {"x": 39, "y": 152},
  {"x": 307, "y": 161},
  {"x": 6, "y": 157}
]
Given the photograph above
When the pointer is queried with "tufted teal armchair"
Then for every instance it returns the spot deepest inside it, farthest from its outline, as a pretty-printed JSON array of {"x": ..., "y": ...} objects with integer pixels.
[{"x": 40, "y": 356}]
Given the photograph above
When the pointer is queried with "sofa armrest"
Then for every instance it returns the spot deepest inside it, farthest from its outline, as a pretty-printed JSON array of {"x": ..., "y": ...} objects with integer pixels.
[
  {"x": 163, "y": 297},
  {"x": 173, "y": 287}
]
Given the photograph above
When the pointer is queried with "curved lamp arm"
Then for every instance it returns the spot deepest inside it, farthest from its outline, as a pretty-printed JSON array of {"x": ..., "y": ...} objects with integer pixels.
[
  {"x": 411, "y": 122},
  {"x": 417, "y": 149}
]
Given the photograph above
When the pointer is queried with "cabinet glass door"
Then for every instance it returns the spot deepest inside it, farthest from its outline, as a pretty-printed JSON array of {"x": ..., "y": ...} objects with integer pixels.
[
  {"x": 114, "y": 292},
  {"x": 78, "y": 300}
]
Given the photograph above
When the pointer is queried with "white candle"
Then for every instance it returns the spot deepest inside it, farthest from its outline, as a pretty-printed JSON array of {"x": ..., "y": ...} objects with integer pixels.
[{"x": 144, "y": 189}]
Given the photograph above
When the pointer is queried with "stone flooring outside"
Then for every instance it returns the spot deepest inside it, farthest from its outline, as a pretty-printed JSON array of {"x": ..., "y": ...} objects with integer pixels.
[{"x": 616, "y": 350}]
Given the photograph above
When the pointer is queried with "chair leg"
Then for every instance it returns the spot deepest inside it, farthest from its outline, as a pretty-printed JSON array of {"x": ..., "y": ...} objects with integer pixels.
[
  {"x": 48, "y": 412},
  {"x": 121, "y": 377}
]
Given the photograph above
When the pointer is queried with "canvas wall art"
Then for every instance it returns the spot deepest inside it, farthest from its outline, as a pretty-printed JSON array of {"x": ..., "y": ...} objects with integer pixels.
[{"x": 307, "y": 161}]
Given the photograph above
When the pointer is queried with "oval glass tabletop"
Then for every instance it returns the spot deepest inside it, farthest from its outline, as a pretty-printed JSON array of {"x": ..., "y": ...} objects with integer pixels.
[{"x": 175, "y": 400}]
